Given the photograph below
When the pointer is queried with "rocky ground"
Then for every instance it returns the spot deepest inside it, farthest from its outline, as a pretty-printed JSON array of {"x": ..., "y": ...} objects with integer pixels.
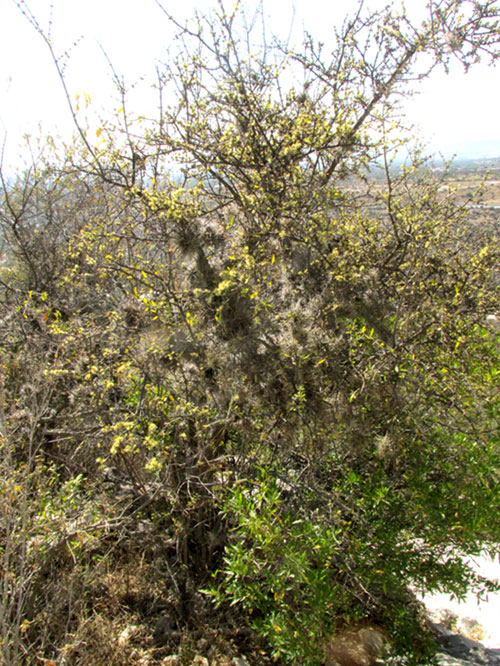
[
  {"x": 469, "y": 632},
  {"x": 457, "y": 650}
]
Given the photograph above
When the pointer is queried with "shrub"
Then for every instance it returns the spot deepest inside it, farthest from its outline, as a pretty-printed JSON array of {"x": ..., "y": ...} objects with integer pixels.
[{"x": 275, "y": 351}]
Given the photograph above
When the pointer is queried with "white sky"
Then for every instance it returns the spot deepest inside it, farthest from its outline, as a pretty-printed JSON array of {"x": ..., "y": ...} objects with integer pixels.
[{"x": 449, "y": 109}]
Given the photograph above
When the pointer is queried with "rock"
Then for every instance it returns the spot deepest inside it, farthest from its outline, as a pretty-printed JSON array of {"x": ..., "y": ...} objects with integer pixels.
[
  {"x": 239, "y": 661},
  {"x": 356, "y": 647},
  {"x": 462, "y": 651},
  {"x": 443, "y": 619},
  {"x": 444, "y": 659},
  {"x": 470, "y": 627}
]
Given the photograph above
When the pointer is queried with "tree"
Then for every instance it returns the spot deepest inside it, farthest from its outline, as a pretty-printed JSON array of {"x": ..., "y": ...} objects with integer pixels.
[{"x": 284, "y": 356}]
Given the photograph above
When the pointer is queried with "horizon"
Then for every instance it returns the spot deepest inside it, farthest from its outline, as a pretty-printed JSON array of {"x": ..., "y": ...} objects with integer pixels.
[{"x": 482, "y": 149}]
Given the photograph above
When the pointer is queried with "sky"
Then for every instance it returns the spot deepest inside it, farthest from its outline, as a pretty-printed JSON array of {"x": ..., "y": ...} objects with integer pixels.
[{"x": 450, "y": 112}]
